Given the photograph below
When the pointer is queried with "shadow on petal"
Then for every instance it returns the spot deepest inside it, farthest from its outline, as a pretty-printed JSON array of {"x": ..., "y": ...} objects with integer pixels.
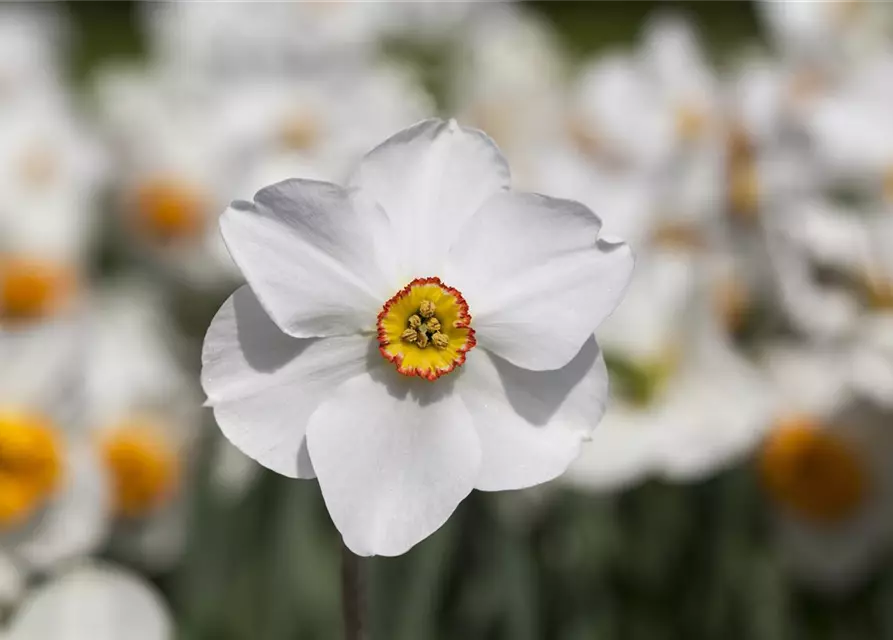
[{"x": 537, "y": 395}]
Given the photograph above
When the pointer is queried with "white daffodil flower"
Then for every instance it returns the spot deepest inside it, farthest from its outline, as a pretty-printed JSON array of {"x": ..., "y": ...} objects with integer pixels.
[
  {"x": 226, "y": 41},
  {"x": 93, "y": 600},
  {"x": 50, "y": 175},
  {"x": 826, "y": 466},
  {"x": 144, "y": 416},
  {"x": 685, "y": 404},
  {"x": 420, "y": 333},
  {"x": 508, "y": 81},
  {"x": 54, "y": 504},
  {"x": 820, "y": 256},
  {"x": 323, "y": 122},
  {"x": 175, "y": 172},
  {"x": 30, "y": 43},
  {"x": 851, "y": 133},
  {"x": 827, "y": 33}
]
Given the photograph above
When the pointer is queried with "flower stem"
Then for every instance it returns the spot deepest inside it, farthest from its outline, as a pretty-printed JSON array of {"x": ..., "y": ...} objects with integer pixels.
[{"x": 353, "y": 596}]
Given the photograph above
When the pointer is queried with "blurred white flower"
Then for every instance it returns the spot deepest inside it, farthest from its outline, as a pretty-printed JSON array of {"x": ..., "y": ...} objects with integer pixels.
[
  {"x": 54, "y": 504},
  {"x": 509, "y": 81},
  {"x": 827, "y": 33},
  {"x": 303, "y": 368},
  {"x": 144, "y": 414},
  {"x": 222, "y": 41},
  {"x": 684, "y": 403},
  {"x": 826, "y": 466},
  {"x": 31, "y": 43},
  {"x": 97, "y": 601}
]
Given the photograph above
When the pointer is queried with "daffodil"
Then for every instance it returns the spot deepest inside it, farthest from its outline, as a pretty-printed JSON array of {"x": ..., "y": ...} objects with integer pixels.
[
  {"x": 93, "y": 600},
  {"x": 825, "y": 466},
  {"x": 54, "y": 503},
  {"x": 144, "y": 419},
  {"x": 685, "y": 403},
  {"x": 420, "y": 333}
]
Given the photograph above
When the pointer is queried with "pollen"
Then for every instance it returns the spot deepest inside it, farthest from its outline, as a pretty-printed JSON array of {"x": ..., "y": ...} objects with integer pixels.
[
  {"x": 170, "y": 210},
  {"x": 425, "y": 329},
  {"x": 32, "y": 289},
  {"x": 30, "y": 465},
  {"x": 143, "y": 465},
  {"x": 813, "y": 472}
]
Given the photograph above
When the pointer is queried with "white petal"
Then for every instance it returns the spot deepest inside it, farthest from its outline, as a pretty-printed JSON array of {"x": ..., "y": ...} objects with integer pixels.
[
  {"x": 77, "y": 521},
  {"x": 394, "y": 459},
  {"x": 264, "y": 385},
  {"x": 537, "y": 278},
  {"x": 100, "y": 603},
  {"x": 12, "y": 582},
  {"x": 430, "y": 179},
  {"x": 531, "y": 423},
  {"x": 309, "y": 253}
]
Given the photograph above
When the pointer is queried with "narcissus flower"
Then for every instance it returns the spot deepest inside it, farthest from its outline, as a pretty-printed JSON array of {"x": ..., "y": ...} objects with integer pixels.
[
  {"x": 98, "y": 601},
  {"x": 422, "y": 332}
]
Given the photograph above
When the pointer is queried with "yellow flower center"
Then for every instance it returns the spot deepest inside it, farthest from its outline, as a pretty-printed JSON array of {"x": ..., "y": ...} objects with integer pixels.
[
  {"x": 300, "y": 131},
  {"x": 678, "y": 235},
  {"x": 425, "y": 329},
  {"x": 744, "y": 189},
  {"x": 879, "y": 293},
  {"x": 31, "y": 289},
  {"x": 38, "y": 166},
  {"x": 30, "y": 465},
  {"x": 813, "y": 472},
  {"x": 169, "y": 210},
  {"x": 144, "y": 467},
  {"x": 691, "y": 122}
]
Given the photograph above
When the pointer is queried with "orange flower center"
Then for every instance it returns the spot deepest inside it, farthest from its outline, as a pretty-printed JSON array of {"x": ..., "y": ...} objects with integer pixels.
[
  {"x": 425, "y": 329},
  {"x": 144, "y": 467},
  {"x": 31, "y": 289},
  {"x": 169, "y": 210},
  {"x": 813, "y": 472},
  {"x": 30, "y": 465}
]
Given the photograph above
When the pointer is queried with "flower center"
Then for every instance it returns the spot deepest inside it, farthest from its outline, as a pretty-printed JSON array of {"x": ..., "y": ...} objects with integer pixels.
[
  {"x": 30, "y": 465},
  {"x": 38, "y": 166},
  {"x": 879, "y": 293},
  {"x": 31, "y": 289},
  {"x": 640, "y": 382},
  {"x": 691, "y": 122},
  {"x": 813, "y": 472},
  {"x": 424, "y": 329},
  {"x": 144, "y": 467},
  {"x": 300, "y": 131},
  {"x": 744, "y": 189},
  {"x": 169, "y": 210}
]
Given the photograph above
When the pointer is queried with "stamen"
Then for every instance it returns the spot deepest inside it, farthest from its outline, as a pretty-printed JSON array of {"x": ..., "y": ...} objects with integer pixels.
[
  {"x": 409, "y": 335},
  {"x": 427, "y": 309},
  {"x": 422, "y": 340},
  {"x": 433, "y": 325},
  {"x": 415, "y": 322},
  {"x": 440, "y": 341}
]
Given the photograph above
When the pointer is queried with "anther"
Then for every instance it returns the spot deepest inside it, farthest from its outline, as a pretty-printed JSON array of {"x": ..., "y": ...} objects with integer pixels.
[
  {"x": 415, "y": 321},
  {"x": 427, "y": 309},
  {"x": 410, "y": 335},
  {"x": 433, "y": 325},
  {"x": 440, "y": 340},
  {"x": 422, "y": 340}
]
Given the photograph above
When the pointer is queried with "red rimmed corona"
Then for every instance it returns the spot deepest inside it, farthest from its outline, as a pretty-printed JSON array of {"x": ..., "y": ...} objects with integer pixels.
[{"x": 425, "y": 329}]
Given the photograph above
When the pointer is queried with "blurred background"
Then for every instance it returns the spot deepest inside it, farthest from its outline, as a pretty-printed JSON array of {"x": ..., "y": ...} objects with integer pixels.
[{"x": 741, "y": 484}]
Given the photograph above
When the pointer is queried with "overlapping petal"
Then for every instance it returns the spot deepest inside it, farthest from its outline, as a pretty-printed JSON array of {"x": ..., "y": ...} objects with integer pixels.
[
  {"x": 394, "y": 459},
  {"x": 309, "y": 253},
  {"x": 531, "y": 423},
  {"x": 537, "y": 277},
  {"x": 264, "y": 385}
]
